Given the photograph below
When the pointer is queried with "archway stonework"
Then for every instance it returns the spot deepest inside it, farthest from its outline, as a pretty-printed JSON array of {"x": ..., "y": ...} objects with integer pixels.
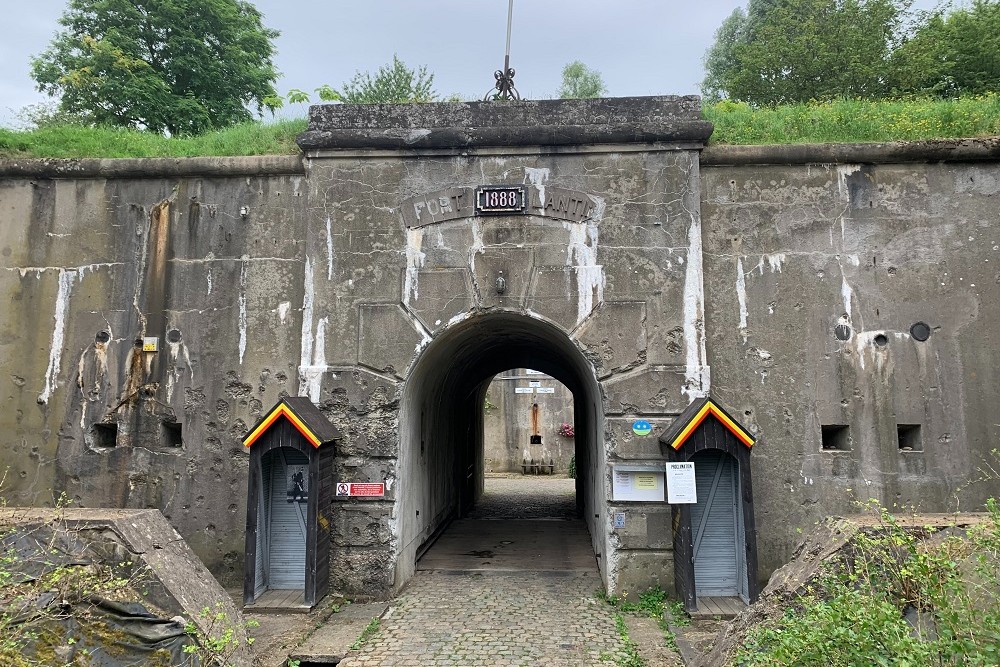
[{"x": 597, "y": 263}]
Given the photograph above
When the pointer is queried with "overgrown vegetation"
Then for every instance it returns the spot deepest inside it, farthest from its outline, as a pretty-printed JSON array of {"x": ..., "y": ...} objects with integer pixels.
[
  {"x": 842, "y": 121},
  {"x": 895, "y": 597},
  {"x": 855, "y": 121},
  {"x": 74, "y": 141}
]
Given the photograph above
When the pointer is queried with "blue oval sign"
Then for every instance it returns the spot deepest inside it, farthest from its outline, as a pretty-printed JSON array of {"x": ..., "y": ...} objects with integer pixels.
[{"x": 642, "y": 427}]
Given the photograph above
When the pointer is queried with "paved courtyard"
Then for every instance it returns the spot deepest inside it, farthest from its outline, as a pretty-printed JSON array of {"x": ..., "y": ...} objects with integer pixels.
[
  {"x": 508, "y": 619},
  {"x": 514, "y": 584}
]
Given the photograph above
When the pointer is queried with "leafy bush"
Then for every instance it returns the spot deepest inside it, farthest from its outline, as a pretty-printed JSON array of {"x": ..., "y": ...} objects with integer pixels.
[{"x": 896, "y": 597}]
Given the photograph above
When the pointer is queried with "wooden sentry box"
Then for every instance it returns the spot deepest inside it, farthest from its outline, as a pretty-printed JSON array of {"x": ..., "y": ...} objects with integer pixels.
[{"x": 295, "y": 431}]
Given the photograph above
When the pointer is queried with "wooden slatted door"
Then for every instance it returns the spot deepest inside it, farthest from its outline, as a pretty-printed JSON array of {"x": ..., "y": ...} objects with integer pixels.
[
  {"x": 263, "y": 526},
  {"x": 716, "y": 526},
  {"x": 287, "y": 522}
]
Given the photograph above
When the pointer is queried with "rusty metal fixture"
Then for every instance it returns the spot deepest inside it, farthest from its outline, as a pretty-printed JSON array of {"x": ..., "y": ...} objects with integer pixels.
[{"x": 504, "y": 88}]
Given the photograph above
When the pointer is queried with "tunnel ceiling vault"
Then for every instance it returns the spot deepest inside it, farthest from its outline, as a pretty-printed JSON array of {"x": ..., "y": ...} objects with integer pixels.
[{"x": 461, "y": 359}]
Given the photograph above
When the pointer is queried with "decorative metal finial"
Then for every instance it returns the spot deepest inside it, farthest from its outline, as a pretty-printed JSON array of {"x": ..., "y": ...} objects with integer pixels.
[{"x": 504, "y": 88}]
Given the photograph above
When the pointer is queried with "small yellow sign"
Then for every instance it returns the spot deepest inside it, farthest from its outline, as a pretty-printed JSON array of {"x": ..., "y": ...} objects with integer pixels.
[
  {"x": 645, "y": 481},
  {"x": 150, "y": 344}
]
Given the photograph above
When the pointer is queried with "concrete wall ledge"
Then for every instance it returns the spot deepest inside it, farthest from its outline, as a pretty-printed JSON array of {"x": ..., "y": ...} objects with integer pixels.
[
  {"x": 938, "y": 150},
  {"x": 518, "y": 123},
  {"x": 135, "y": 168}
]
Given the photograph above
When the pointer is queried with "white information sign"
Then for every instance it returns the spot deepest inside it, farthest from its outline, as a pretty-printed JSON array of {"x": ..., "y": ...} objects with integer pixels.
[
  {"x": 681, "y": 487},
  {"x": 545, "y": 390},
  {"x": 637, "y": 485},
  {"x": 535, "y": 383},
  {"x": 524, "y": 390},
  {"x": 531, "y": 371}
]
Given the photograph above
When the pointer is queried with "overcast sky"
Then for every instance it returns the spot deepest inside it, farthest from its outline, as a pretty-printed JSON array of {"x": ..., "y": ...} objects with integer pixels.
[{"x": 641, "y": 47}]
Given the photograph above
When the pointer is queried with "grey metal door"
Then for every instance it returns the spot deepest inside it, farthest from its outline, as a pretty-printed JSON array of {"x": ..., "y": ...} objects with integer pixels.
[
  {"x": 287, "y": 523},
  {"x": 715, "y": 526}
]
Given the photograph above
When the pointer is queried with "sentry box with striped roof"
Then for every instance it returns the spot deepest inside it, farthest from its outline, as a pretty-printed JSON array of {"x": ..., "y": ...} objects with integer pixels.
[
  {"x": 715, "y": 539},
  {"x": 288, "y": 502}
]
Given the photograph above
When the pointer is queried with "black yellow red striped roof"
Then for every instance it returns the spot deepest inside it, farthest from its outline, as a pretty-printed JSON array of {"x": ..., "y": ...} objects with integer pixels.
[
  {"x": 691, "y": 418},
  {"x": 303, "y": 415}
]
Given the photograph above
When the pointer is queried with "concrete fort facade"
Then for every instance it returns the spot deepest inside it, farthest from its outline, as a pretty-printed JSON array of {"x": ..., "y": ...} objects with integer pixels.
[{"x": 839, "y": 301}]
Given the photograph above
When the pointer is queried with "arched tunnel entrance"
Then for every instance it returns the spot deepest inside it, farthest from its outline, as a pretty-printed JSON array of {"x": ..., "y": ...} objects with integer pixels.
[{"x": 441, "y": 463}]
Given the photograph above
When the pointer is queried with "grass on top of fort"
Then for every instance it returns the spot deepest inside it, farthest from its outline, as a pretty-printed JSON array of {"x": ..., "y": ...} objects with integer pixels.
[{"x": 838, "y": 121}]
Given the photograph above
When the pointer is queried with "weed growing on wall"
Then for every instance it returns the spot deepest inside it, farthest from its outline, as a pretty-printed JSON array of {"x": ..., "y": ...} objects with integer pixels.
[{"x": 896, "y": 596}]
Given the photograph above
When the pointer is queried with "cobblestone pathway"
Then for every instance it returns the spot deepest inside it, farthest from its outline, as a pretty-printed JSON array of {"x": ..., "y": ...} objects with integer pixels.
[
  {"x": 503, "y": 619},
  {"x": 511, "y": 619}
]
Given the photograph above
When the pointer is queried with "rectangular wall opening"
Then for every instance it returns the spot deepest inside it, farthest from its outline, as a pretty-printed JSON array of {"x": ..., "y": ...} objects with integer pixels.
[
  {"x": 170, "y": 434},
  {"x": 908, "y": 437},
  {"x": 835, "y": 438},
  {"x": 104, "y": 435}
]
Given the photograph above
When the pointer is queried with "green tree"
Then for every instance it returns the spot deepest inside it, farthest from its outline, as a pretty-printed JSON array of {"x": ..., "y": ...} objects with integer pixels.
[
  {"x": 782, "y": 51},
  {"x": 394, "y": 83},
  {"x": 581, "y": 82},
  {"x": 181, "y": 66},
  {"x": 953, "y": 52}
]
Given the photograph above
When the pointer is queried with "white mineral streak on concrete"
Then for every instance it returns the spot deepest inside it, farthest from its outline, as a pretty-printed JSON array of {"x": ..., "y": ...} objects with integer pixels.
[
  {"x": 283, "y": 309},
  {"x": 847, "y": 294},
  {"x": 775, "y": 261},
  {"x": 581, "y": 254},
  {"x": 243, "y": 310},
  {"x": 177, "y": 349},
  {"x": 741, "y": 295},
  {"x": 843, "y": 171},
  {"x": 697, "y": 381},
  {"x": 82, "y": 270},
  {"x": 66, "y": 279},
  {"x": 318, "y": 361},
  {"x": 537, "y": 178},
  {"x": 855, "y": 260},
  {"x": 310, "y": 372},
  {"x": 476, "y": 247},
  {"x": 414, "y": 262},
  {"x": 329, "y": 250}
]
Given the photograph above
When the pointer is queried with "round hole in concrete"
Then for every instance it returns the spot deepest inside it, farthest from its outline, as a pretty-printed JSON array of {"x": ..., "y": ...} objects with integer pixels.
[
  {"x": 842, "y": 332},
  {"x": 174, "y": 336},
  {"x": 137, "y": 342},
  {"x": 881, "y": 340},
  {"x": 102, "y": 337},
  {"x": 920, "y": 331}
]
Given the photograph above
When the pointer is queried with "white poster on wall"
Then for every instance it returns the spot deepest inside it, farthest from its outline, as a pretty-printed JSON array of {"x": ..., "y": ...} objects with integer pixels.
[{"x": 681, "y": 488}]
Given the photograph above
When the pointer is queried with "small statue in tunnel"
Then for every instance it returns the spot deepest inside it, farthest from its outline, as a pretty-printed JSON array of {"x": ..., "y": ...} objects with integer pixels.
[{"x": 298, "y": 492}]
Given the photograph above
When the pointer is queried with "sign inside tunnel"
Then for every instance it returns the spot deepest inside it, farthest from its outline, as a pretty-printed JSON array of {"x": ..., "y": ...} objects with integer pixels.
[{"x": 361, "y": 489}]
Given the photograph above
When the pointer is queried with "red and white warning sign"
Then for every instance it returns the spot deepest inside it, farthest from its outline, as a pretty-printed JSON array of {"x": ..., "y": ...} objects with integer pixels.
[{"x": 360, "y": 489}]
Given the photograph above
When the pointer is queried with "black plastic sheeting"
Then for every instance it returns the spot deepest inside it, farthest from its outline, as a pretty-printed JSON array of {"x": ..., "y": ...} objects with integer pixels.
[{"x": 94, "y": 631}]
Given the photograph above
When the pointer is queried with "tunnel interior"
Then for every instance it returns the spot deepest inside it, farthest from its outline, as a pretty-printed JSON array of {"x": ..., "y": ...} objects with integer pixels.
[{"x": 441, "y": 462}]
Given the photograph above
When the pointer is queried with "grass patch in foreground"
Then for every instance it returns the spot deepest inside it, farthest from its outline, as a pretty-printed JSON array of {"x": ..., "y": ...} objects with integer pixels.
[
  {"x": 855, "y": 121},
  {"x": 70, "y": 141}
]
